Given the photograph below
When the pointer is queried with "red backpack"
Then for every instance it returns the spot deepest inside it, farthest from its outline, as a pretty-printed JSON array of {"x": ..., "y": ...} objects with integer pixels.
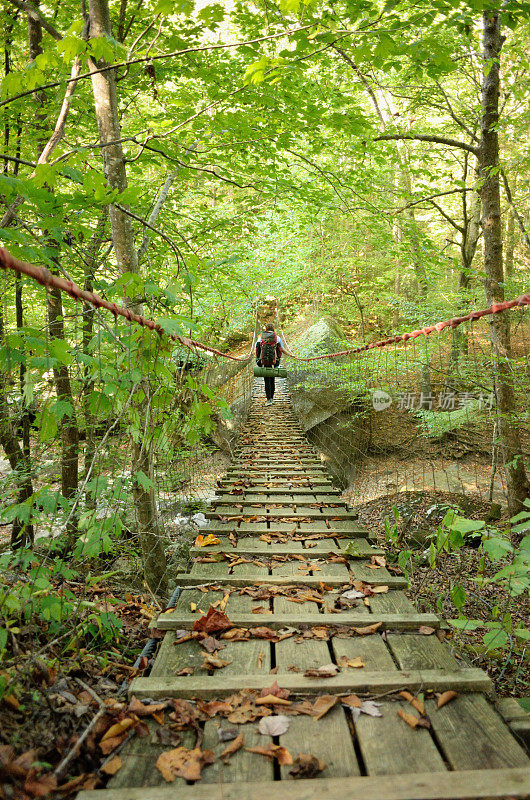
[{"x": 269, "y": 340}]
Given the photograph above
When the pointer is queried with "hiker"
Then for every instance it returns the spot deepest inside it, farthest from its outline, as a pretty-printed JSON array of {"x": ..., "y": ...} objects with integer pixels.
[{"x": 269, "y": 348}]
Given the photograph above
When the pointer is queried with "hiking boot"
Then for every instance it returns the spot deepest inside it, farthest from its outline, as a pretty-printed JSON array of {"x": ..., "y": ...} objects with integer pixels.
[{"x": 269, "y": 403}]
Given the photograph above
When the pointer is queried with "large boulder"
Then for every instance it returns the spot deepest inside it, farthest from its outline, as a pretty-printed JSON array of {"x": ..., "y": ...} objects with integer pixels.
[{"x": 331, "y": 414}]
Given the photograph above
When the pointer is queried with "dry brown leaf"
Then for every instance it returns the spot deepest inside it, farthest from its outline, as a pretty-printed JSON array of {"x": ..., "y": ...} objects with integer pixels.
[
  {"x": 414, "y": 701},
  {"x": 368, "y": 629},
  {"x": 112, "y": 766},
  {"x": 235, "y": 745},
  {"x": 353, "y": 663},
  {"x": 352, "y": 700},
  {"x": 272, "y": 700},
  {"x": 326, "y": 671},
  {"x": 413, "y": 720},
  {"x": 307, "y": 766},
  {"x": 445, "y": 698},
  {"x": 214, "y": 707},
  {"x": 275, "y": 690},
  {"x": 212, "y": 661},
  {"x": 379, "y": 589},
  {"x": 117, "y": 729},
  {"x": 426, "y": 630},
  {"x": 236, "y": 634},
  {"x": 323, "y": 704},
  {"x": 213, "y": 622},
  {"x": 111, "y": 744},
  {"x": 141, "y": 710},
  {"x": 281, "y": 754},
  {"x": 320, "y": 632},
  {"x": 183, "y": 763}
]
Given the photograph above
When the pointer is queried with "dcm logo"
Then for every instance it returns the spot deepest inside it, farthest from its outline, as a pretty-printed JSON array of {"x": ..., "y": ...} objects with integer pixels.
[{"x": 381, "y": 400}]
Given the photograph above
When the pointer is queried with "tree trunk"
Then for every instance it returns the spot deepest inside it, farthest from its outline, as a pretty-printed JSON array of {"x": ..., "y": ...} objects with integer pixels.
[
  {"x": 516, "y": 478},
  {"x": 63, "y": 389},
  {"x": 106, "y": 105},
  {"x": 21, "y": 532}
]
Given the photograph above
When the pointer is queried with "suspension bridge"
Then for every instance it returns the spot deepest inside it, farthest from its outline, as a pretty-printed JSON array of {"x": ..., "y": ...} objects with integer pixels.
[{"x": 293, "y": 650}]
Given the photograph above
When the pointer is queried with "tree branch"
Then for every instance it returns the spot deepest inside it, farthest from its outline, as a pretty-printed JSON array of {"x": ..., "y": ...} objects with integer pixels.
[
  {"x": 449, "y": 219},
  {"x": 424, "y": 137},
  {"x": 518, "y": 217},
  {"x": 144, "y": 59},
  {"x": 36, "y": 15}
]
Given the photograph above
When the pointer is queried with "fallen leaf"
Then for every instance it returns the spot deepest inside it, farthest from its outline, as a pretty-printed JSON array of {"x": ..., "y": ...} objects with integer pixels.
[
  {"x": 263, "y": 633},
  {"x": 320, "y": 632},
  {"x": 112, "y": 766},
  {"x": 368, "y": 629},
  {"x": 183, "y": 763},
  {"x": 322, "y": 705},
  {"x": 236, "y": 634},
  {"x": 367, "y": 707},
  {"x": 445, "y": 698},
  {"x": 281, "y": 754},
  {"x": 117, "y": 729},
  {"x": 275, "y": 725},
  {"x": 379, "y": 560},
  {"x": 205, "y": 541},
  {"x": 39, "y": 786},
  {"x": 214, "y": 707},
  {"x": 352, "y": 700},
  {"x": 212, "y": 661},
  {"x": 144, "y": 710},
  {"x": 275, "y": 690},
  {"x": 307, "y": 766},
  {"x": 414, "y": 701},
  {"x": 226, "y": 734},
  {"x": 425, "y": 630},
  {"x": 272, "y": 700},
  {"x": 352, "y": 594},
  {"x": 413, "y": 720},
  {"x": 379, "y": 589},
  {"x": 193, "y": 607},
  {"x": 210, "y": 644},
  {"x": 354, "y": 663},
  {"x": 326, "y": 671},
  {"x": 261, "y": 656},
  {"x": 235, "y": 745},
  {"x": 213, "y": 621}
]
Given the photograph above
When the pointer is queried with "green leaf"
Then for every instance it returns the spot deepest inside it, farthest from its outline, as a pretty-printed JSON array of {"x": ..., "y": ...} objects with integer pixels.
[
  {"x": 497, "y": 548},
  {"x": 145, "y": 482},
  {"x": 60, "y": 350},
  {"x": 458, "y": 596},
  {"x": 497, "y": 637},
  {"x": 464, "y": 624}
]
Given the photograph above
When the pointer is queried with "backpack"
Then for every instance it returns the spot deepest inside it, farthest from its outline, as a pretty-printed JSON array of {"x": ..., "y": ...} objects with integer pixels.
[{"x": 269, "y": 341}]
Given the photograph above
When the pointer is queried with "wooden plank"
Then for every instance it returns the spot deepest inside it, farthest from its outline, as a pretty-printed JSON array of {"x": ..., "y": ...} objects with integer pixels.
[
  {"x": 372, "y": 650},
  {"x": 389, "y": 746},
  {"x": 253, "y": 546},
  {"x": 473, "y": 736},
  {"x": 196, "y": 578},
  {"x": 139, "y": 757},
  {"x": 360, "y": 680},
  {"x": 170, "y": 620},
  {"x": 414, "y": 651},
  {"x": 466, "y": 785}
]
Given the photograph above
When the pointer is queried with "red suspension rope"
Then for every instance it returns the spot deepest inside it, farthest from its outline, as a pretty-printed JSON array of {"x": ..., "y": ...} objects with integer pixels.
[{"x": 46, "y": 278}]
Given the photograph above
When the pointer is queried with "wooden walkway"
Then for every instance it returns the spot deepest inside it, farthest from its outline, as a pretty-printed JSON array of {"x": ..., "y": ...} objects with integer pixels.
[{"x": 281, "y": 527}]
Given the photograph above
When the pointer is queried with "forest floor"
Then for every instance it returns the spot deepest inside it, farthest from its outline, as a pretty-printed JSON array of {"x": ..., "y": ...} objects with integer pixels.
[{"x": 421, "y": 512}]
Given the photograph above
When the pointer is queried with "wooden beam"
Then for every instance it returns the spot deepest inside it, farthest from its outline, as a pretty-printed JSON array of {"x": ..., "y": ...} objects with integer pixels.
[
  {"x": 359, "y": 680},
  {"x": 483, "y": 784},
  {"x": 171, "y": 621},
  {"x": 198, "y": 579}
]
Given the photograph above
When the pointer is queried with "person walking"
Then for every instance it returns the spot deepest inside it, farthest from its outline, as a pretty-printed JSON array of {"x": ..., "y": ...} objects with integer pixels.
[{"x": 269, "y": 349}]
